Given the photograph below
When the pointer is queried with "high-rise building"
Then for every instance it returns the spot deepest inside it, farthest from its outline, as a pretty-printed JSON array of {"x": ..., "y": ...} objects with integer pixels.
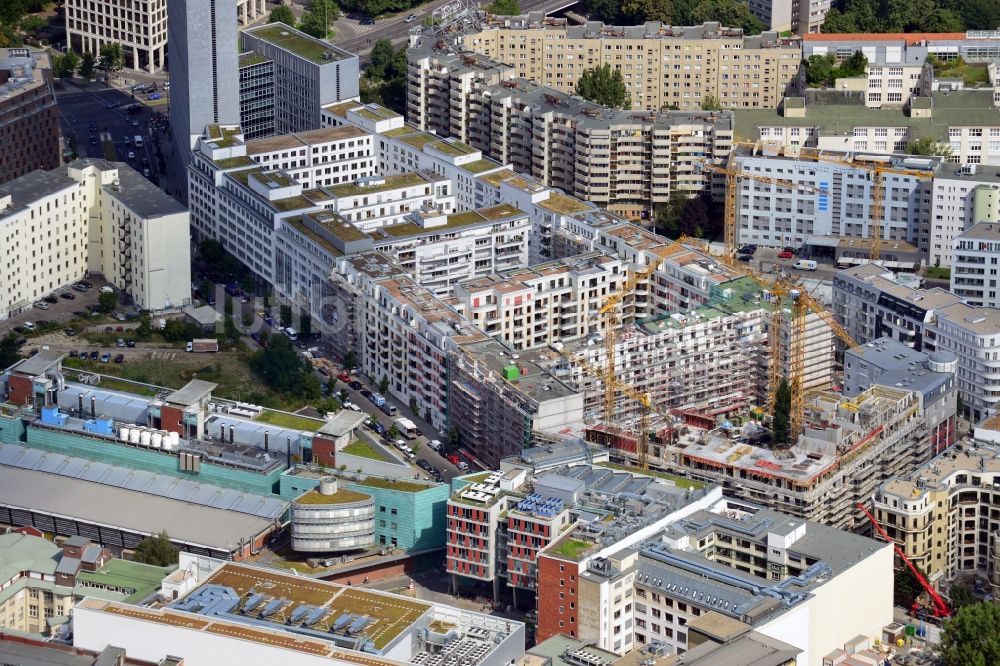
[
  {"x": 256, "y": 95},
  {"x": 204, "y": 68},
  {"x": 29, "y": 121},
  {"x": 140, "y": 27}
]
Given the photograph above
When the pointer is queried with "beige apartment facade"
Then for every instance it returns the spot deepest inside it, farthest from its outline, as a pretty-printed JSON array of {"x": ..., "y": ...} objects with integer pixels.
[{"x": 663, "y": 66}]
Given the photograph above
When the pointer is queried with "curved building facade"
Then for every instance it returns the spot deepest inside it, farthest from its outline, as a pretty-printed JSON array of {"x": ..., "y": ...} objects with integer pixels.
[{"x": 330, "y": 519}]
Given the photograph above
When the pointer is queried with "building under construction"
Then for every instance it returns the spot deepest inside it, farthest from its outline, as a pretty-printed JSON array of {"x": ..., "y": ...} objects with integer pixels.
[{"x": 848, "y": 448}]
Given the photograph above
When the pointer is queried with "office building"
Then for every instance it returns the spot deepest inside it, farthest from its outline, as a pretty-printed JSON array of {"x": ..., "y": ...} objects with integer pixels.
[
  {"x": 871, "y": 304},
  {"x": 317, "y": 158},
  {"x": 962, "y": 198},
  {"x": 140, "y": 28},
  {"x": 786, "y": 578},
  {"x": 204, "y": 69},
  {"x": 972, "y": 46},
  {"x": 801, "y": 16},
  {"x": 663, "y": 66},
  {"x": 29, "y": 120},
  {"x": 308, "y": 74},
  {"x": 256, "y": 95},
  {"x": 139, "y": 241},
  {"x": 835, "y": 200},
  {"x": 943, "y": 515},
  {"x": 42, "y": 580},
  {"x": 222, "y": 611},
  {"x": 975, "y": 251}
]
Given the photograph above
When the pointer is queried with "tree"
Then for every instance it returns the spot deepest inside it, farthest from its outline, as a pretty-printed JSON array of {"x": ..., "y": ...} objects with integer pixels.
[
  {"x": 286, "y": 315},
  {"x": 782, "y": 413},
  {"x": 730, "y": 13},
  {"x": 668, "y": 217},
  {"x": 8, "y": 351},
  {"x": 31, "y": 25},
  {"x": 87, "y": 64},
  {"x": 179, "y": 330},
  {"x": 284, "y": 370},
  {"x": 853, "y": 65},
  {"x": 928, "y": 146},
  {"x": 960, "y": 597},
  {"x": 710, "y": 103},
  {"x": 282, "y": 14},
  {"x": 64, "y": 66},
  {"x": 305, "y": 323},
  {"x": 112, "y": 58},
  {"x": 157, "y": 550},
  {"x": 694, "y": 220},
  {"x": 906, "y": 587},
  {"x": 393, "y": 432},
  {"x": 350, "y": 359},
  {"x": 317, "y": 19},
  {"x": 107, "y": 301},
  {"x": 647, "y": 10},
  {"x": 383, "y": 385},
  {"x": 145, "y": 328},
  {"x": 504, "y": 7},
  {"x": 972, "y": 636},
  {"x": 819, "y": 69},
  {"x": 381, "y": 58},
  {"x": 605, "y": 86}
]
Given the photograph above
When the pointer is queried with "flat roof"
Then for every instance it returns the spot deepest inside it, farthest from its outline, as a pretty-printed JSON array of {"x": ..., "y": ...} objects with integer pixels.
[
  {"x": 32, "y": 186},
  {"x": 344, "y": 422},
  {"x": 299, "y": 43},
  {"x": 308, "y": 138},
  {"x": 130, "y": 510},
  {"x": 190, "y": 393},
  {"x": 39, "y": 363},
  {"x": 983, "y": 231}
]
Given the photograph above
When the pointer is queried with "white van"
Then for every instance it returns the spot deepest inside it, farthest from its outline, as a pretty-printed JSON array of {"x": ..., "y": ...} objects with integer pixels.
[
  {"x": 805, "y": 265},
  {"x": 292, "y": 334},
  {"x": 138, "y": 141}
]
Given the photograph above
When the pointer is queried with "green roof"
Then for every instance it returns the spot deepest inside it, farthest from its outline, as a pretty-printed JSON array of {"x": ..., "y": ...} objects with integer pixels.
[
  {"x": 679, "y": 481},
  {"x": 401, "y": 131},
  {"x": 251, "y": 58},
  {"x": 123, "y": 575},
  {"x": 298, "y": 225},
  {"x": 376, "y": 112},
  {"x": 297, "y": 42},
  {"x": 419, "y": 140},
  {"x": 291, "y": 203},
  {"x": 570, "y": 548},
  {"x": 233, "y": 162},
  {"x": 342, "y": 496},
  {"x": 276, "y": 177},
  {"x": 390, "y": 183},
  {"x": 393, "y": 484},
  {"x": 363, "y": 449},
  {"x": 455, "y": 221},
  {"x": 453, "y": 148},
  {"x": 480, "y": 166},
  {"x": 223, "y": 137},
  {"x": 286, "y": 420}
]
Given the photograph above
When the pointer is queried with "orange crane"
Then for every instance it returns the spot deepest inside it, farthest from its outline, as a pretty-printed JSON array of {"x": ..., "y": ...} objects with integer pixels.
[
  {"x": 733, "y": 175},
  {"x": 941, "y": 609},
  {"x": 878, "y": 171}
]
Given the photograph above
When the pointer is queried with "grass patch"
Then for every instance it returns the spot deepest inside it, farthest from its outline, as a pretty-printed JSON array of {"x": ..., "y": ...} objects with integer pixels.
[
  {"x": 293, "y": 421},
  {"x": 342, "y": 496},
  {"x": 939, "y": 272},
  {"x": 680, "y": 481},
  {"x": 393, "y": 484},
  {"x": 972, "y": 74},
  {"x": 571, "y": 549},
  {"x": 298, "y": 43},
  {"x": 109, "y": 383},
  {"x": 363, "y": 449}
]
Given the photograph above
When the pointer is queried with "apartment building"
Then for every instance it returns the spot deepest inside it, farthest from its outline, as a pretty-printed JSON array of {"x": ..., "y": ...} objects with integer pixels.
[
  {"x": 800, "y": 16},
  {"x": 317, "y": 158},
  {"x": 256, "y": 95},
  {"x": 583, "y": 149},
  {"x": 888, "y": 362},
  {"x": 870, "y": 304},
  {"x": 308, "y": 74},
  {"x": 726, "y": 563},
  {"x": 543, "y": 304},
  {"x": 379, "y": 201},
  {"x": 971, "y": 46},
  {"x": 975, "y": 250},
  {"x": 139, "y": 241},
  {"x": 962, "y": 198},
  {"x": 836, "y": 199},
  {"x": 29, "y": 121},
  {"x": 499, "y": 521},
  {"x": 964, "y": 120},
  {"x": 944, "y": 514},
  {"x": 663, "y": 66},
  {"x": 141, "y": 29}
]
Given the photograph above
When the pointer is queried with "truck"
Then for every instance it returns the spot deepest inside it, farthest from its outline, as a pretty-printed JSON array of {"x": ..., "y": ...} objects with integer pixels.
[
  {"x": 805, "y": 265},
  {"x": 203, "y": 345},
  {"x": 407, "y": 428}
]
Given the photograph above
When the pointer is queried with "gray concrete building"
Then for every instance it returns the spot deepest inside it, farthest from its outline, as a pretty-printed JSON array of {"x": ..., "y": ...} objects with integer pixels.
[
  {"x": 309, "y": 73},
  {"x": 203, "y": 68},
  {"x": 256, "y": 95}
]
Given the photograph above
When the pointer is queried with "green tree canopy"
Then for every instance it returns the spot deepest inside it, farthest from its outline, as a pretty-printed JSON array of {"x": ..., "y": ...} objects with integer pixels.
[
  {"x": 107, "y": 301},
  {"x": 64, "y": 65},
  {"x": 281, "y": 368},
  {"x": 381, "y": 58},
  {"x": 928, "y": 146},
  {"x": 316, "y": 21},
  {"x": 972, "y": 636},
  {"x": 731, "y": 13},
  {"x": 157, "y": 550},
  {"x": 8, "y": 351},
  {"x": 640, "y": 11},
  {"x": 504, "y": 7},
  {"x": 282, "y": 14},
  {"x": 87, "y": 64},
  {"x": 112, "y": 58},
  {"x": 604, "y": 86}
]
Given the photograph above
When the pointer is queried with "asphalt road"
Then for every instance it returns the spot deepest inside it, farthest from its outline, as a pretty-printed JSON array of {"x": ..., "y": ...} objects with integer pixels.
[
  {"x": 357, "y": 38},
  {"x": 95, "y": 119}
]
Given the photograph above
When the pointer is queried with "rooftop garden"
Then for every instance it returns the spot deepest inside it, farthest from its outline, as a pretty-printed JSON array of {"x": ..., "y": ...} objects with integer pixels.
[
  {"x": 499, "y": 212},
  {"x": 342, "y": 496},
  {"x": 223, "y": 137},
  {"x": 409, "y": 229},
  {"x": 400, "y": 131},
  {"x": 233, "y": 162},
  {"x": 419, "y": 140},
  {"x": 363, "y": 449},
  {"x": 393, "y": 484},
  {"x": 298, "y": 43},
  {"x": 292, "y": 421},
  {"x": 291, "y": 203},
  {"x": 251, "y": 58},
  {"x": 560, "y": 203},
  {"x": 571, "y": 549},
  {"x": 390, "y": 183},
  {"x": 679, "y": 481},
  {"x": 972, "y": 74},
  {"x": 453, "y": 148},
  {"x": 479, "y": 166}
]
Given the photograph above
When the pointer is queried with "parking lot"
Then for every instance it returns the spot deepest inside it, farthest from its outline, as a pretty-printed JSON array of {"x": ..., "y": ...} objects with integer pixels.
[
  {"x": 100, "y": 126},
  {"x": 61, "y": 311}
]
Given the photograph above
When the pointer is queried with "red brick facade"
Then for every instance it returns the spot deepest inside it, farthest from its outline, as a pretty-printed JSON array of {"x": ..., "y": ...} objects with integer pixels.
[
  {"x": 558, "y": 598},
  {"x": 324, "y": 451},
  {"x": 172, "y": 420},
  {"x": 20, "y": 389}
]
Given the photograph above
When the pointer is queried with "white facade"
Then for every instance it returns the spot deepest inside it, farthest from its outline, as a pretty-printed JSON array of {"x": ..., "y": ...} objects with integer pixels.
[
  {"x": 140, "y": 27},
  {"x": 960, "y": 201},
  {"x": 94, "y": 216},
  {"x": 975, "y": 265},
  {"x": 317, "y": 158},
  {"x": 382, "y": 201}
]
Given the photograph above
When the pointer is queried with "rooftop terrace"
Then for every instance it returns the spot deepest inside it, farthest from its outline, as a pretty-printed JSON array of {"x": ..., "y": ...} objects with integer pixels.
[{"x": 299, "y": 43}]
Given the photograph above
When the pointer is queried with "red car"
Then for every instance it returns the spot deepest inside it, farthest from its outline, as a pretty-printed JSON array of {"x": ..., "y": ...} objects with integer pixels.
[
  {"x": 344, "y": 377},
  {"x": 452, "y": 458},
  {"x": 785, "y": 254}
]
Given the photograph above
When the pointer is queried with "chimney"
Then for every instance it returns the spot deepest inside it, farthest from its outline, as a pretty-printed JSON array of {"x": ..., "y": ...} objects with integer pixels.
[
  {"x": 266, "y": 433},
  {"x": 222, "y": 432},
  {"x": 288, "y": 452},
  {"x": 79, "y": 405},
  {"x": 232, "y": 430},
  {"x": 93, "y": 407}
]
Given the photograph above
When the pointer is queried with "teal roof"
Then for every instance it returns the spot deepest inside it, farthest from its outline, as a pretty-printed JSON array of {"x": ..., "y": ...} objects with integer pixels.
[{"x": 21, "y": 552}]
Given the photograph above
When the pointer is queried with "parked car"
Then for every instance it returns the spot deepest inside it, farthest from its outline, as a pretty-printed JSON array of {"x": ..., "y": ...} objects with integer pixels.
[
  {"x": 93, "y": 140},
  {"x": 154, "y": 97},
  {"x": 105, "y": 357},
  {"x": 42, "y": 305},
  {"x": 69, "y": 296},
  {"x": 119, "y": 342},
  {"x": 86, "y": 284},
  {"x": 785, "y": 254},
  {"x": 130, "y": 343},
  {"x": 411, "y": 18},
  {"x": 108, "y": 329},
  {"x": 93, "y": 355},
  {"x": 745, "y": 257},
  {"x": 131, "y": 155},
  {"x": 120, "y": 358},
  {"x": 434, "y": 444},
  {"x": 51, "y": 298},
  {"x": 426, "y": 466},
  {"x": 79, "y": 287},
  {"x": 355, "y": 384},
  {"x": 368, "y": 20},
  {"x": 462, "y": 466},
  {"x": 453, "y": 459},
  {"x": 74, "y": 353},
  {"x": 351, "y": 406},
  {"x": 344, "y": 377},
  {"x": 71, "y": 332},
  {"x": 366, "y": 393},
  {"x": 83, "y": 354}
]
